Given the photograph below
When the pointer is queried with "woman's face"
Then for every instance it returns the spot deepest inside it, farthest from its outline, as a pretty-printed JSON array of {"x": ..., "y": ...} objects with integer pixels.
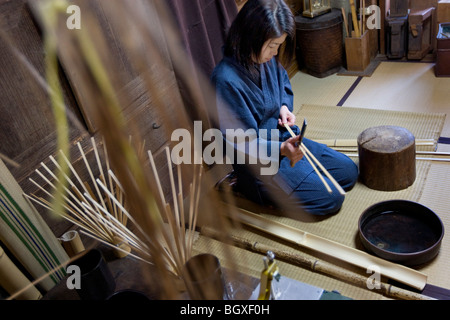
[{"x": 270, "y": 48}]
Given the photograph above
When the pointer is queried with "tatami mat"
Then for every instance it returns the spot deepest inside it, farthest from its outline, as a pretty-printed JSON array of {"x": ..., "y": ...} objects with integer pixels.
[
  {"x": 397, "y": 86},
  {"x": 325, "y": 91},
  {"x": 404, "y": 86},
  {"x": 327, "y": 122},
  {"x": 340, "y": 122}
]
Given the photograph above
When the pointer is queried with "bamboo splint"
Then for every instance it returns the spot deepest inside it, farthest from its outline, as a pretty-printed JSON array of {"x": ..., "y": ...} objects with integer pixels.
[
  {"x": 355, "y": 155},
  {"x": 431, "y": 153},
  {"x": 402, "y": 274},
  {"x": 318, "y": 266},
  {"x": 354, "y": 142},
  {"x": 311, "y": 159}
]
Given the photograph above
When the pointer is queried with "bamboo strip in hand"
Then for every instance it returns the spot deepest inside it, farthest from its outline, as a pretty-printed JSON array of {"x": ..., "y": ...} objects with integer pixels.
[{"x": 309, "y": 155}]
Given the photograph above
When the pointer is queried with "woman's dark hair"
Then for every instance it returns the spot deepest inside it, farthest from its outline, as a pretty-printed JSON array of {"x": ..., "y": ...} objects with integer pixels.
[{"x": 257, "y": 22}]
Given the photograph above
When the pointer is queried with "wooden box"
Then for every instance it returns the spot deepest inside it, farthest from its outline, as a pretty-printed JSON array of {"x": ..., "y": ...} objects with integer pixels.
[
  {"x": 396, "y": 37},
  {"x": 357, "y": 51},
  {"x": 420, "y": 33},
  {"x": 442, "y": 67}
]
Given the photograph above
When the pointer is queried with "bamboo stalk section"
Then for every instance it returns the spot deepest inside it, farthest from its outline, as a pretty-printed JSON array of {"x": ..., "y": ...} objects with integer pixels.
[
  {"x": 355, "y": 19},
  {"x": 13, "y": 280},
  {"x": 344, "y": 17},
  {"x": 72, "y": 243},
  {"x": 319, "y": 266},
  {"x": 353, "y": 256}
]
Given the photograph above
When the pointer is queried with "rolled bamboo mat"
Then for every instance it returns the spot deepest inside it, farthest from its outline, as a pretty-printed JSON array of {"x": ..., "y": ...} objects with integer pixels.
[
  {"x": 319, "y": 266},
  {"x": 26, "y": 235}
]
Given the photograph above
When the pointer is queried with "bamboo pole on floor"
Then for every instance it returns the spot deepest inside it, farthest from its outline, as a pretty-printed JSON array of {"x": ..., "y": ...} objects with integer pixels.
[{"x": 318, "y": 266}]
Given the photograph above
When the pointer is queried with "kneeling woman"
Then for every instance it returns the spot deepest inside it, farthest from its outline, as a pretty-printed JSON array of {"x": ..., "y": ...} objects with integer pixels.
[{"x": 254, "y": 92}]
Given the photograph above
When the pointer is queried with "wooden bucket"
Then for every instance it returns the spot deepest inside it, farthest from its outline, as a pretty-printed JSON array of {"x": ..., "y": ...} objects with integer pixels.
[{"x": 387, "y": 158}]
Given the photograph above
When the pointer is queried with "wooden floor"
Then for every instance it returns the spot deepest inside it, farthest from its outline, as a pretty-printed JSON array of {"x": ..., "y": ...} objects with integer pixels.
[{"x": 399, "y": 86}]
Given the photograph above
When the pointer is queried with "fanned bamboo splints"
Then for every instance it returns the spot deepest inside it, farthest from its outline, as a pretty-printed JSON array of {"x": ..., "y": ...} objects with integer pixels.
[
  {"x": 99, "y": 209},
  {"x": 90, "y": 206}
]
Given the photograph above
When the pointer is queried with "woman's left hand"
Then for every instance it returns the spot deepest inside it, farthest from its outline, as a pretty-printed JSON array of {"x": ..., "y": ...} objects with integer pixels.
[{"x": 286, "y": 117}]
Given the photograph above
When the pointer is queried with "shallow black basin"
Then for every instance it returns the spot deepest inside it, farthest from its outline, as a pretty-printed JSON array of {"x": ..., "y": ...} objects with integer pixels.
[{"x": 401, "y": 231}]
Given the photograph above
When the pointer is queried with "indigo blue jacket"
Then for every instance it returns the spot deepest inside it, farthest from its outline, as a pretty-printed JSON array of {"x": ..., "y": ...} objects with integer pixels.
[{"x": 241, "y": 103}]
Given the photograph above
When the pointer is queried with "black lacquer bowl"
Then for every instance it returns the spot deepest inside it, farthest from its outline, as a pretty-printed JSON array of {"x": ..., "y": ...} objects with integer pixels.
[{"x": 401, "y": 231}]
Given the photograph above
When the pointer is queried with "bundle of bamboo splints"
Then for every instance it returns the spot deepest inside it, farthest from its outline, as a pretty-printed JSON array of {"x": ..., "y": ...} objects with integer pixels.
[{"x": 103, "y": 215}]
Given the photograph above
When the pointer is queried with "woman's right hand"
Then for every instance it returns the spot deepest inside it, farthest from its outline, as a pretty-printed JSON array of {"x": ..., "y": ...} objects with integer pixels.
[{"x": 291, "y": 150}]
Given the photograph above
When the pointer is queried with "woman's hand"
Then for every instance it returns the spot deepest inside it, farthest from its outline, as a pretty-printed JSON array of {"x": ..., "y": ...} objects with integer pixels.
[
  {"x": 286, "y": 117},
  {"x": 290, "y": 149}
]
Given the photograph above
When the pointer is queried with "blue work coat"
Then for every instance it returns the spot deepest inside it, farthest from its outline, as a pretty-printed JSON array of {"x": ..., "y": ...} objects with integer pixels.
[{"x": 242, "y": 103}]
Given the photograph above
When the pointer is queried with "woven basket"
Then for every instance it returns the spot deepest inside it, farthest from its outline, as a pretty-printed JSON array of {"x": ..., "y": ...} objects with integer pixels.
[{"x": 319, "y": 43}]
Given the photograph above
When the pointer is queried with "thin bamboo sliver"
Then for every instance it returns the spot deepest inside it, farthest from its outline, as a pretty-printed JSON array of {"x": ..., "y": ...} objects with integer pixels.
[{"x": 354, "y": 142}]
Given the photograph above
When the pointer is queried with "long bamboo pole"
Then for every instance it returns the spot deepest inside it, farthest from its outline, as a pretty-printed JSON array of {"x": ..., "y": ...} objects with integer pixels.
[
  {"x": 430, "y": 153},
  {"x": 355, "y": 19},
  {"x": 318, "y": 266},
  {"x": 355, "y": 155},
  {"x": 344, "y": 16},
  {"x": 354, "y": 142}
]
